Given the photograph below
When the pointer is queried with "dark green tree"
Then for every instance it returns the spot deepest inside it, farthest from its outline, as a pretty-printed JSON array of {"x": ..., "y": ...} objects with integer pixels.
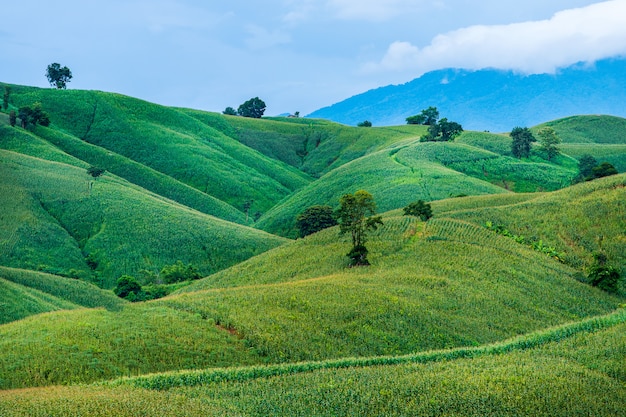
[
  {"x": 33, "y": 115},
  {"x": 443, "y": 130},
  {"x": 604, "y": 170},
  {"x": 5, "y": 97},
  {"x": 419, "y": 209},
  {"x": 12, "y": 118},
  {"x": 128, "y": 287},
  {"x": 230, "y": 111},
  {"x": 549, "y": 142},
  {"x": 95, "y": 171},
  {"x": 428, "y": 117},
  {"x": 522, "y": 138},
  {"x": 357, "y": 216},
  {"x": 586, "y": 163},
  {"x": 365, "y": 123},
  {"x": 255, "y": 107},
  {"x": 58, "y": 76},
  {"x": 314, "y": 219}
]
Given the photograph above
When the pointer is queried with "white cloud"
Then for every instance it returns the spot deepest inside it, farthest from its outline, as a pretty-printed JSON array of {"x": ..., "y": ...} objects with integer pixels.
[{"x": 583, "y": 34}]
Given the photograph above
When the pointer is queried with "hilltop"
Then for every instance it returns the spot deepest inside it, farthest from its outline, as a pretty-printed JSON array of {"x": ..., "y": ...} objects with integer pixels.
[{"x": 493, "y": 100}]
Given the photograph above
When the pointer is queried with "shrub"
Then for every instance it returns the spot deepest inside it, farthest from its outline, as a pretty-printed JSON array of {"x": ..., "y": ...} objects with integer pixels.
[
  {"x": 365, "y": 123},
  {"x": 179, "y": 272},
  {"x": 314, "y": 219},
  {"x": 602, "y": 275},
  {"x": 127, "y": 287},
  {"x": 419, "y": 209}
]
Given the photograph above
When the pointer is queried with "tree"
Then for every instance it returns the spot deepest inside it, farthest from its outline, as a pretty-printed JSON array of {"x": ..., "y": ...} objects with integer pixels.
[
  {"x": 12, "y": 118},
  {"x": 230, "y": 111},
  {"x": 179, "y": 272},
  {"x": 356, "y": 215},
  {"x": 33, "y": 115},
  {"x": 365, "y": 123},
  {"x": 314, "y": 219},
  {"x": 428, "y": 117},
  {"x": 419, "y": 209},
  {"x": 603, "y": 170},
  {"x": 58, "y": 76},
  {"x": 127, "y": 287},
  {"x": 443, "y": 130},
  {"x": 95, "y": 171},
  {"x": 5, "y": 97},
  {"x": 522, "y": 138},
  {"x": 255, "y": 107},
  {"x": 586, "y": 163},
  {"x": 549, "y": 142}
]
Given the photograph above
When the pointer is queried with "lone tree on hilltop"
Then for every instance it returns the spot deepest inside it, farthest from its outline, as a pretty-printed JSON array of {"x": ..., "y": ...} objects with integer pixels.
[
  {"x": 549, "y": 142},
  {"x": 255, "y": 107},
  {"x": 356, "y": 215},
  {"x": 230, "y": 111},
  {"x": 58, "y": 76},
  {"x": 522, "y": 138},
  {"x": 365, "y": 123},
  {"x": 314, "y": 219},
  {"x": 427, "y": 117}
]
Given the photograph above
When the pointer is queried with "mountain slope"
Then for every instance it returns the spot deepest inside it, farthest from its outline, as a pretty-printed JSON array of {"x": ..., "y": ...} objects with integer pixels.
[{"x": 491, "y": 99}]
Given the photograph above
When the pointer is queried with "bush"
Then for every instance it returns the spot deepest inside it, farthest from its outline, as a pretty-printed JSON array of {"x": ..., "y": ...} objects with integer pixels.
[
  {"x": 358, "y": 256},
  {"x": 128, "y": 287},
  {"x": 419, "y": 209},
  {"x": 179, "y": 272},
  {"x": 314, "y": 219},
  {"x": 365, "y": 123},
  {"x": 602, "y": 275}
]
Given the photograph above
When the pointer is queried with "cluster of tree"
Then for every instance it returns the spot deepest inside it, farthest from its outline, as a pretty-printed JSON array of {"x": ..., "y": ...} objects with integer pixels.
[
  {"x": 357, "y": 216},
  {"x": 155, "y": 286},
  {"x": 522, "y": 139},
  {"x": 58, "y": 76},
  {"x": 365, "y": 123},
  {"x": 31, "y": 115},
  {"x": 439, "y": 130},
  {"x": 589, "y": 169},
  {"x": 255, "y": 107}
]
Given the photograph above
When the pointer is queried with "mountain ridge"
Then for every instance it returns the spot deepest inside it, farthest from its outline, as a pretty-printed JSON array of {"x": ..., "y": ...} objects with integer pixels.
[{"x": 490, "y": 99}]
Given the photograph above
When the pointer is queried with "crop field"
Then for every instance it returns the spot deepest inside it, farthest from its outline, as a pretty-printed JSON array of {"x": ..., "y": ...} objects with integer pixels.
[{"x": 486, "y": 308}]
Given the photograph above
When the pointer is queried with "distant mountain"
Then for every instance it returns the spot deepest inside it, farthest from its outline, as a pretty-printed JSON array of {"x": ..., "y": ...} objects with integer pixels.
[{"x": 493, "y": 100}]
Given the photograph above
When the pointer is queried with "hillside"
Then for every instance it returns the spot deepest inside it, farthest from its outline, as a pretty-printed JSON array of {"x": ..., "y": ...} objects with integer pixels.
[
  {"x": 491, "y": 99},
  {"x": 561, "y": 372},
  {"x": 56, "y": 218}
]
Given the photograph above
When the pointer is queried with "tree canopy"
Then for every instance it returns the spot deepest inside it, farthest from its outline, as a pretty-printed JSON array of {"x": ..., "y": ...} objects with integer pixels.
[
  {"x": 58, "y": 76},
  {"x": 419, "y": 209},
  {"x": 255, "y": 107},
  {"x": 522, "y": 138},
  {"x": 357, "y": 216},
  {"x": 549, "y": 142},
  {"x": 428, "y": 117},
  {"x": 314, "y": 219}
]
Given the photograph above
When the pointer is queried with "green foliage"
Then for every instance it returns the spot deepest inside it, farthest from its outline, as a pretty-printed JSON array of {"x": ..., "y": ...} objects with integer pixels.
[
  {"x": 602, "y": 275},
  {"x": 255, "y": 107},
  {"x": 427, "y": 116},
  {"x": 229, "y": 111},
  {"x": 58, "y": 76},
  {"x": 5, "y": 97},
  {"x": 179, "y": 272},
  {"x": 356, "y": 215},
  {"x": 314, "y": 219},
  {"x": 419, "y": 209},
  {"x": 95, "y": 171},
  {"x": 522, "y": 139},
  {"x": 127, "y": 287},
  {"x": 604, "y": 170},
  {"x": 31, "y": 115},
  {"x": 365, "y": 123},
  {"x": 12, "y": 118},
  {"x": 549, "y": 142},
  {"x": 442, "y": 131},
  {"x": 586, "y": 163}
]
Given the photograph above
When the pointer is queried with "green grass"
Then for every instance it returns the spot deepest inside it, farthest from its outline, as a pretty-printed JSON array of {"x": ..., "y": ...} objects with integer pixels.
[
  {"x": 560, "y": 372},
  {"x": 599, "y": 129},
  {"x": 55, "y": 217}
]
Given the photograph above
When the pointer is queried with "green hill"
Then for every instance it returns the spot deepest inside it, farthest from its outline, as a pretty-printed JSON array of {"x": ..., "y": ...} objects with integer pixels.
[{"x": 56, "y": 218}]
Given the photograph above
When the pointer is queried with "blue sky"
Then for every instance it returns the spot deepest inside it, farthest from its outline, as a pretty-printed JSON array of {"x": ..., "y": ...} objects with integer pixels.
[{"x": 295, "y": 55}]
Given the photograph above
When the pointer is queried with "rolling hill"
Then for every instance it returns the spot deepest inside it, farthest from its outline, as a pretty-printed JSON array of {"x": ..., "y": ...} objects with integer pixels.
[{"x": 451, "y": 317}]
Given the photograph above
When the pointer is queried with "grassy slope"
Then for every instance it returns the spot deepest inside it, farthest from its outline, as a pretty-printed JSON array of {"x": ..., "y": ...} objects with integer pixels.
[
  {"x": 570, "y": 377},
  {"x": 55, "y": 215},
  {"x": 430, "y": 171},
  {"x": 445, "y": 283},
  {"x": 168, "y": 141}
]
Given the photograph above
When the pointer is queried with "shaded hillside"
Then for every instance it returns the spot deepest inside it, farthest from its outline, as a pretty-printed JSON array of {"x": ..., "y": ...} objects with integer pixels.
[
  {"x": 491, "y": 99},
  {"x": 56, "y": 218}
]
